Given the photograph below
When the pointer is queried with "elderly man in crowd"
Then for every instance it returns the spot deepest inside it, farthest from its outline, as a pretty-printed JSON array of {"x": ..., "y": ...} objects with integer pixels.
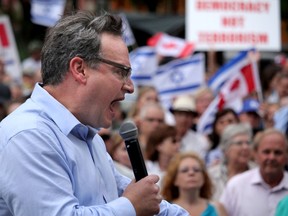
[{"x": 258, "y": 191}]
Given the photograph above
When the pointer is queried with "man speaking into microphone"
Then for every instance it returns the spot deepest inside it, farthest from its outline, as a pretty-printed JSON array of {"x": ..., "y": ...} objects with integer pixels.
[{"x": 52, "y": 160}]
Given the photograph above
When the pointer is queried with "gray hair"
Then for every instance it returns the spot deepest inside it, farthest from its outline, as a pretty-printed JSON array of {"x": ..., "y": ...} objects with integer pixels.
[
  {"x": 74, "y": 35},
  {"x": 233, "y": 130},
  {"x": 146, "y": 107},
  {"x": 260, "y": 135},
  {"x": 202, "y": 90}
]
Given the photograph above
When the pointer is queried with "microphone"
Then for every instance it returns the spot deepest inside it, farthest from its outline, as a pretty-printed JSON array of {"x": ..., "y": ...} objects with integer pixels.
[{"x": 129, "y": 132}]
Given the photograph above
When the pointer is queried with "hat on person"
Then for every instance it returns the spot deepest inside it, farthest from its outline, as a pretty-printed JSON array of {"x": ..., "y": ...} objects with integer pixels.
[
  {"x": 5, "y": 93},
  {"x": 184, "y": 103},
  {"x": 250, "y": 106}
]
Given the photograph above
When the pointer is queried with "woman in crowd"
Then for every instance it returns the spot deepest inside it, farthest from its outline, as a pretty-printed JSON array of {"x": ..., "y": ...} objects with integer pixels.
[
  {"x": 223, "y": 118},
  {"x": 235, "y": 144},
  {"x": 162, "y": 145},
  {"x": 145, "y": 95},
  {"x": 187, "y": 184},
  {"x": 120, "y": 156}
]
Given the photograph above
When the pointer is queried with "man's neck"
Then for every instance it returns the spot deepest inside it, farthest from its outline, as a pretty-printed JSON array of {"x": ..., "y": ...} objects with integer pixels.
[{"x": 273, "y": 180}]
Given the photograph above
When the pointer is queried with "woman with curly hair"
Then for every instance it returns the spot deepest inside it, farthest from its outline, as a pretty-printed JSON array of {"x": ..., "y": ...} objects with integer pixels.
[{"x": 188, "y": 184}]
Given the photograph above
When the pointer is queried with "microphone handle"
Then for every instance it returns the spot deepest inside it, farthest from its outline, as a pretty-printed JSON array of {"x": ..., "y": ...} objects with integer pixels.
[{"x": 136, "y": 158}]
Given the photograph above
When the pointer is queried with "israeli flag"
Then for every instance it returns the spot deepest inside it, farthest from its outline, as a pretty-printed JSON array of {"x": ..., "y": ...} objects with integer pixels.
[
  {"x": 180, "y": 76},
  {"x": 228, "y": 70},
  {"x": 47, "y": 12},
  {"x": 144, "y": 63},
  {"x": 128, "y": 35}
]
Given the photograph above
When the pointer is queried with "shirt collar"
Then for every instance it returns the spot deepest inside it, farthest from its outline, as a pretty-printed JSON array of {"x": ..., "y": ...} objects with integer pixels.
[
  {"x": 257, "y": 179},
  {"x": 59, "y": 114},
  {"x": 283, "y": 183}
]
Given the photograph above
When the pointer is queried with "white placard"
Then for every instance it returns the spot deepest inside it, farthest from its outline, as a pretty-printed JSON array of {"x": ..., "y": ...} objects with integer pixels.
[
  {"x": 233, "y": 24},
  {"x": 8, "y": 49}
]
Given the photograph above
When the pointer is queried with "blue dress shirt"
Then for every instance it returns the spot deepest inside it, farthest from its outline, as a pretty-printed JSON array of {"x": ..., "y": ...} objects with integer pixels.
[{"x": 51, "y": 164}]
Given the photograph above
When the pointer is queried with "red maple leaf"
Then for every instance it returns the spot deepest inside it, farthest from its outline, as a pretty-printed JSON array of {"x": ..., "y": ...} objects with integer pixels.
[{"x": 169, "y": 45}]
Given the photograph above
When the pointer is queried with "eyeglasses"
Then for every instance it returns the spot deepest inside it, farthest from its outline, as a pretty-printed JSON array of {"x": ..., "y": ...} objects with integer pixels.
[
  {"x": 241, "y": 142},
  {"x": 125, "y": 70},
  {"x": 154, "y": 120},
  {"x": 194, "y": 169}
]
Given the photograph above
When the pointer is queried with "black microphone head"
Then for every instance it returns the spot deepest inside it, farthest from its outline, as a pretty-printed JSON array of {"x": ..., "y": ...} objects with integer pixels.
[{"x": 128, "y": 130}]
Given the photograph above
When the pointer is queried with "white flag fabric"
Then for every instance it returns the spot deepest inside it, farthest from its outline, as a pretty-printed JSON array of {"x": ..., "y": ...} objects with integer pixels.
[
  {"x": 167, "y": 45},
  {"x": 206, "y": 120},
  {"x": 180, "y": 76},
  {"x": 128, "y": 35},
  {"x": 47, "y": 12},
  {"x": 144, "y": 63},
  {"x": 243, "y": 81}
]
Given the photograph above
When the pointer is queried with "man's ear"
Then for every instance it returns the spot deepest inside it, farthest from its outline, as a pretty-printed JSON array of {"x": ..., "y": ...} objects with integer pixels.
[
  {"x": 77, "y": 69},
  {"x": 255, "y": 155}
]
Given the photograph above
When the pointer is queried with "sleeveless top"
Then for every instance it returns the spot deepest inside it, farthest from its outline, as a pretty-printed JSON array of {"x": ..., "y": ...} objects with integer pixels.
[{"x": 210, "y": 211}]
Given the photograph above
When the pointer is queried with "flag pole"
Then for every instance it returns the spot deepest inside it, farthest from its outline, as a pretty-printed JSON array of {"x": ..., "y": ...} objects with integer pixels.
[{"x": 254, "y": 56}]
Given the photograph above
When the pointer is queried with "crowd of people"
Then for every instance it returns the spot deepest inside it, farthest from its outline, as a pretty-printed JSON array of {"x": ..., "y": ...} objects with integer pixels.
[{"x": 240, "y": 168}]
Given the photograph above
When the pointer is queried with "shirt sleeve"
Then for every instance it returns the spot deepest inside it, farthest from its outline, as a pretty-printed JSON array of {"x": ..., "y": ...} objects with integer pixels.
[
  {"x": 37, "y": 176},
  {"x": 226, "y": 198},
  {"x": 122, "y": 181},
  {"x": 168, "y": 209}
]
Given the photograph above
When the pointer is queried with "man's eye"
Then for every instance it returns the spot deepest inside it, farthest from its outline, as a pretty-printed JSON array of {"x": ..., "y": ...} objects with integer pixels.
[{"x": 278, "y": 152}]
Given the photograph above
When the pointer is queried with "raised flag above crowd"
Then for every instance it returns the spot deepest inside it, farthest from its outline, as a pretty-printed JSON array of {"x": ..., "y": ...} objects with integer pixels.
[
  {"x": 47, "y": 12},
  {"x": 227, "y": 70},
  {"x": 167, "y": 45},
  {"x": 242, "y": 79},
  {"x": 180, "y": 76},
  {"x": 144, "y": 63}
]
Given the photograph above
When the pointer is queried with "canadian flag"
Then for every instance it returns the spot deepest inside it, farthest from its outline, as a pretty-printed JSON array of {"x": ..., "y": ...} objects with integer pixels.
[
  {"x": 239, "y": 85},
  {"x": 167, "y": 45}
]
